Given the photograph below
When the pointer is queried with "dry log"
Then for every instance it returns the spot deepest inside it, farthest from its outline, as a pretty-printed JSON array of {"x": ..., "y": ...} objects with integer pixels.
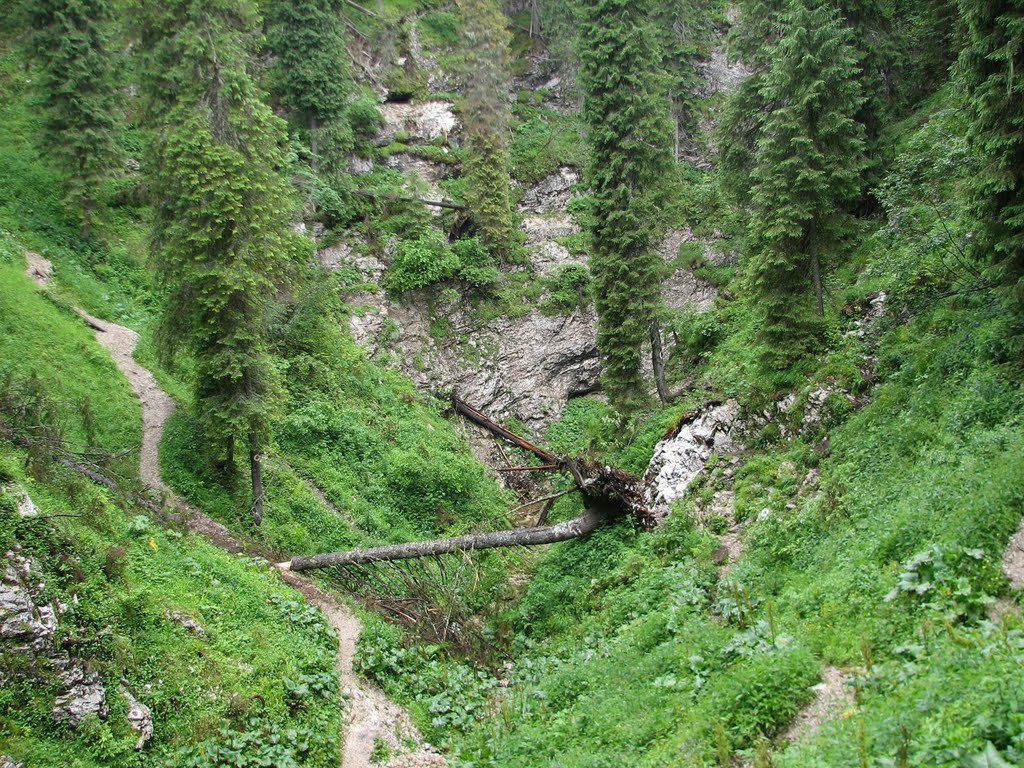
[
  {"x": 391, "y": 198},
  {"x": 608, "y": 493},
  {"x": 471, "y": 413},
  {"x": 586, "y": 523}
]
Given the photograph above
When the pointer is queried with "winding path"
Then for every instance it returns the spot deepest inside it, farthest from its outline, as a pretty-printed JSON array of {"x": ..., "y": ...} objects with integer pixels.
[{"x": 370, "y": 716}]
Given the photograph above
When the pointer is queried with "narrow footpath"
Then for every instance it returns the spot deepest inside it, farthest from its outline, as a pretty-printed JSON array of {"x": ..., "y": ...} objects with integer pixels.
[{"x": 370, "y": 717}]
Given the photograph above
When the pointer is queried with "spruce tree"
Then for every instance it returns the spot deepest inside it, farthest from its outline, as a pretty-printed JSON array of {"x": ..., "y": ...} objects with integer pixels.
[
  {"x": 808, "y": 163},
  {"x": 992, "y": 70},
  {"x": 625, "y": 110},
  {"x": 221, "y": 234},
  {"x": 77, "y": 93},
  {"x": 485, "y": 40},
  {"x": 308, "y": 38}
]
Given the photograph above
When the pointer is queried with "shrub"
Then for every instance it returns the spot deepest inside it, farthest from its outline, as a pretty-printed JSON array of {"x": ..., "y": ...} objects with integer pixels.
[
  {"x": 569, "y": 290},
  {"x": 425, "y": 260}
]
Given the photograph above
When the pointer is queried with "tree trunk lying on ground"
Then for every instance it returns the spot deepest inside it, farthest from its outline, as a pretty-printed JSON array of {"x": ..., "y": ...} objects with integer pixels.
[
  {"x": 586, "y": 523},
  {"x": 609, "y": 494}
]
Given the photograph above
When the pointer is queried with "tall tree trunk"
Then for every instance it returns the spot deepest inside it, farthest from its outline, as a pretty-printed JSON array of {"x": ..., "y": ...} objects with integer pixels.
[
  {"x": 314, "y": 147},
  {"x": 256, "y": 470},
  {"x": 658, "y": 363},
  {"x": 87, "y": 206},
  {"x": 816, "y": 275},
  {"x": 586, "y": 523}
]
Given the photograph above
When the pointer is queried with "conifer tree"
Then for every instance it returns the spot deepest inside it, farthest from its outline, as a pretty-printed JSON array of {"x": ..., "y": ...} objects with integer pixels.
[
  {"x": 992, "y": 69},
  {"x": 77, "y": 92},
  {"x": 221, "y": 231},
  {"x": 485, "y": 117},
  {"x": 808, "y": 163},
  {"x": 308, "y": 38},
  {"x": 625, "y": 110}
]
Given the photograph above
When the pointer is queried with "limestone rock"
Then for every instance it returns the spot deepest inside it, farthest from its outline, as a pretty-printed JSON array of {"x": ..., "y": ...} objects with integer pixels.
[
  {"x": 27, "y": 629},
  {"x": 187, "y": 622},
  {"x": 85, "y": 696},
  {"x": 421, "y": 123},
  {"x": 678, "y": 460},
  {"x": 9, "y": 762},
  {"x": 140, "y": 718},
  {"x": 551, "y": 194}
]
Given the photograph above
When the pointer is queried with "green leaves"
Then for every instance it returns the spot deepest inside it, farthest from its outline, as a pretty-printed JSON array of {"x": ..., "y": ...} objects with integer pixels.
[
  {"x": 990, "y": 758},
  {"x": 806, "y": 158},
  {"x": 626, "y": 114}
]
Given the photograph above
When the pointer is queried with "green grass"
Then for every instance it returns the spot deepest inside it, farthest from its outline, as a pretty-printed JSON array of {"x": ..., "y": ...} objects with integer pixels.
[
  {"x": 104, "y": 273},
  {"x": 41, "y": 338},
  {"x": 121, "y": 576}
]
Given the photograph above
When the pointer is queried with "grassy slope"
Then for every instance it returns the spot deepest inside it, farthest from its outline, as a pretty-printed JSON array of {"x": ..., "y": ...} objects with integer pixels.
[
  {"x": 260, "y": 685},
  {"x": 630, "y": 648},
  {"x": 117, "y": 570}
]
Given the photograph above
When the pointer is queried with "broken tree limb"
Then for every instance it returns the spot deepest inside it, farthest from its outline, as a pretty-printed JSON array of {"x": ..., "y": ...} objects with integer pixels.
[
  {"x": 471, "y": 413},
  {"x": 586, "y": 523},
  {"x": 609, "y": 494},
  {"x": 541, "y": 468},
  {"x": 399, "y": 199}
]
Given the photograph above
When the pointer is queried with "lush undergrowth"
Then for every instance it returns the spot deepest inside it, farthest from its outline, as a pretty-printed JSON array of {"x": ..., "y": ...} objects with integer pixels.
[
  {"x": 103, "y": 273},
  {"x": 391, "y": 467},
  {"x": 256, "y": 688},
  {"x": 873, "y": 541}
]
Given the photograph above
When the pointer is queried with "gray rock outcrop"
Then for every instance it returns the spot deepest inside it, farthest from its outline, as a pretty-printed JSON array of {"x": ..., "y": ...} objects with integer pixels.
[
  {"x": 678, "y": 460},
  {"x": 28, "y": 625},
  {"x": 140, "y": 717},
  {"x": 419, "y": 123}
]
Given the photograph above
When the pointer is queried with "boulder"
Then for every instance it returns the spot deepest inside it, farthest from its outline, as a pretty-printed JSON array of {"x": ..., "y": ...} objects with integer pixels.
[{"x": 140, "y": 718}]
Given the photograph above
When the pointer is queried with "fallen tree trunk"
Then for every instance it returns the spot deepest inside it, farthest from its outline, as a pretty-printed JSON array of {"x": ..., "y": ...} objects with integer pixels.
[
  {"x": 586, "y": 523},
  {"x": 465, "y": 409},
  {"x": 609, "y": 494},
  {"x": 392, "y": 198}
]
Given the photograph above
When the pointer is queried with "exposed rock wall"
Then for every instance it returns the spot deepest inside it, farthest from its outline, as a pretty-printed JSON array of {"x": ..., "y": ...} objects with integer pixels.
[{"x": 28, "y": 627}]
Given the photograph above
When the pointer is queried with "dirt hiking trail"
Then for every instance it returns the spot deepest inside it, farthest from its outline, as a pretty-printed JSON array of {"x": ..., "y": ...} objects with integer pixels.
[{"x": 370, "y": 717}]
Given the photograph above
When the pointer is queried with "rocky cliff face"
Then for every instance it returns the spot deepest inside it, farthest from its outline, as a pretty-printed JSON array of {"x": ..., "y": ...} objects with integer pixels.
[
  {"x": 28, "y": 643},
  {"x": 527, "y": 363},
  {"x": 31, "y": 648},
  {"x": 526, "y": 366}
]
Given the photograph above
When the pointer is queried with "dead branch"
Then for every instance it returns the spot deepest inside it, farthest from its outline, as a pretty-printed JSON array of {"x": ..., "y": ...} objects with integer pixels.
[
  {"x": 586, "y": 523},
  {"x": 393, "y": 198},
  {"x": 471, "y": 413},
  {"x": 608, "y": 493}
]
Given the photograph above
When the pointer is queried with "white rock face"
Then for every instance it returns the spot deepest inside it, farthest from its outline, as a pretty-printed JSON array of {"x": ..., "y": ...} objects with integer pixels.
[
  {"x": 27, "y": 629},
  {"x": 719, "y": 73},
  {"x": 422, "y": 122},
  {"x": 140, "y": 718},
  {"x": 552, "y": 194},
  {"x": 677, "y": 461}
]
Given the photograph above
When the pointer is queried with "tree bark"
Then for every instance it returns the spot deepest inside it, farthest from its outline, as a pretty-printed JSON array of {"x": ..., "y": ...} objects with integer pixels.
[
  {"x": 471, "y": 413},
  {"x": 256, "y": 469},
  {"x": 658, "y": 364},
  {"x": 816, "y": 276},
  {"x": 314, "y": 147},
  {"x": 586, "y": 523}
]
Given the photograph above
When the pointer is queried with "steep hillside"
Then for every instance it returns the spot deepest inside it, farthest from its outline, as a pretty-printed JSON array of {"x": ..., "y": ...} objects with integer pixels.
[{"x": 322, "y": 220}]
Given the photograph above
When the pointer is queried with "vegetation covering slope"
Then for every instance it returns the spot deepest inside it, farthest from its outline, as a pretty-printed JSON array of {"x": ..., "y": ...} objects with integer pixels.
[{"x": 873, "y": 502}]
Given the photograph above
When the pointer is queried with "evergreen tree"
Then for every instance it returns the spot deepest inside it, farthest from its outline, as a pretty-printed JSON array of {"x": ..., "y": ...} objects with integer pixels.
[
  {"x": 808, "y": 164},
  {"x": 221, "y": 236},
  {"x": 77, "y": 93},
  {"x": 485, "y": 116},
  {"x": 992, "y": 69},
  {"x": 625, "y": 110},
  {"x": 308, "y": 38}
]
